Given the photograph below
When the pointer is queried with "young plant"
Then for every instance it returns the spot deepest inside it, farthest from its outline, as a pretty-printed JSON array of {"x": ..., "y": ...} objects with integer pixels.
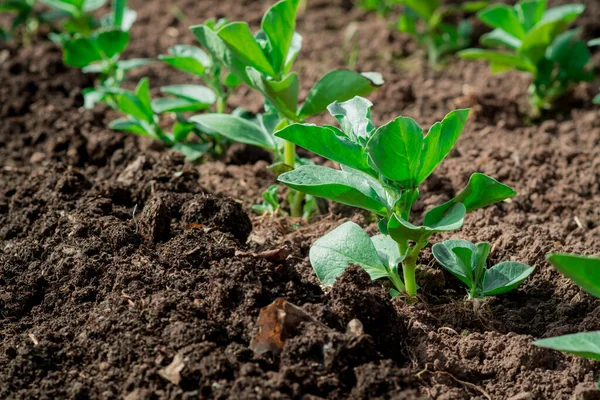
[
  {"x": 270, "y": 204},
  {"x": 382, "y": 169},
  {"x": 467, "y": 262},
  {"x": 100, "y": 53},
  {"x": 534, "y": 39},
  {"x": 592, "y": 43},
  {"x": 585, "y": 272},
  {"x": 76, "y": 15},
  {"x": 142, "y": 120},
  {"x": 424, "y": 21},
  {"x": 263, "y": 61},
  {"x": 208, "y": 68}
]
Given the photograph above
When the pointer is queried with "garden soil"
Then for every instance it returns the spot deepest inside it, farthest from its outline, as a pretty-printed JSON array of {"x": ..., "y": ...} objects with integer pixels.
[{"x": 127, "y": 273}]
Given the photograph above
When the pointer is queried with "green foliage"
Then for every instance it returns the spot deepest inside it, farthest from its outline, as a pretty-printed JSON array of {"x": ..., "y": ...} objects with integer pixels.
[
  {"x": 467, "y": 262},
  {"x": 424, "y": 20},
  {"x": 270, "y": 205},
  {"x": 382, "y": 169},
  {"x": 75, "y": 15},
  {"x": 530, "y": 38},
  {"x": 263, "y": 61},
  {"x": 585, "y": 272},
  {"x": 592, "y": 43}
]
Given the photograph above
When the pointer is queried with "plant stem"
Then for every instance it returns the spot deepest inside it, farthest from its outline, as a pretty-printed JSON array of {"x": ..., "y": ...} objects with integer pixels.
[
  {"x": 289, "y": 158},
  {"x": 289, "y": 154},
  {"x": 118, "y": 12},
  {"x": 409, "y": 266},
  {"x": 221, "y": 104}
]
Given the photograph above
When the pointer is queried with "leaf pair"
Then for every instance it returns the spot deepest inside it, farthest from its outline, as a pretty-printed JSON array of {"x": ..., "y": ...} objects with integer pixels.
[
  {"x": 585, "y": 272},
  {"x": 467, "y": 262}
]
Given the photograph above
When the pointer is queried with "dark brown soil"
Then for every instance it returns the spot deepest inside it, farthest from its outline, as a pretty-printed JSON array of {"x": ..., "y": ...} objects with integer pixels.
[{"x": 117, "y": 259}]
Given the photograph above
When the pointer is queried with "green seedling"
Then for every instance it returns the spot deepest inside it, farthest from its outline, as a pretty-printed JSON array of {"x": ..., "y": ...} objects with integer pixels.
[
  {"x": 382, "y": 169},
  {"x": 142, "y": 119},
  {"x": 534, "y": 39},
  {"x": 207, "y": 67},
  {"x": 76, "y": 15},
  {"x": 592, "y": 43},
  {"x": 468, "y": 262},
  {"x": 100, "y": 52},
  {"x": 27, "y": 18},
  {"x": 585, "y": 272},
  {"x": 263, "y": 61},
  {"x": 424, "y": 21},
  {"x": 270, "y": 205}
]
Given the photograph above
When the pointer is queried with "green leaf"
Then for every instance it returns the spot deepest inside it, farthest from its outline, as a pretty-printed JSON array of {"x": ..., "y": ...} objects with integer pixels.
[
  {"x": 127, "y": 65},
  {"x": 504, "y": 277},
  {"x": 353, "y": 189},
  {"x": 402, "y": 230},
  {"x": 133, "y": 126},
  {"x": 583, "y": 270},
  {"x": 481, "y": 191},
  {"x": 240, "y": 41},
  {"x": 586, "y": 344},
  {"x": 190, "y": 59},
  {"x": 354, "y": 116},
  {"x": 446, "y": 256},
  {"x": 80, "y": 52},
  {"x": 195, "y": 93},
  {"x": 503, "y": 17},
  {"x": 327, "y": 142},
  {"x": 530, "y": 12},
  {"x": 279, "y": 24},
  {"x": 338, "y": 85},
  {"x": 499, "y": 58},
  {"x": 142, "y": 92},
  {"x": 236, "y": 129},
  {"x": 498, "y": 37},
  {"x": 425, "y": 9},
  {"x": 92, "y": 5},
  {"x": 192, "y": 151},
  {"x": 347, "y": 244},
  {"x": 112, "y": 42},
  {"x": 594, "y": 42},
  {"x": 439, "y": 141},
  {"x": 70, "y": 7},
  {"x": 219, "y": 50},
  {"x": 566, "y": 13},
  {"x": 388, "y": 250},
  {"x": 283, "y": 94},
  {"x": 395, "y": 149},
  {"x": 91, "y": 97},
  {"x": 160, "y": 106},
  {"x": 295, "y": 48}
]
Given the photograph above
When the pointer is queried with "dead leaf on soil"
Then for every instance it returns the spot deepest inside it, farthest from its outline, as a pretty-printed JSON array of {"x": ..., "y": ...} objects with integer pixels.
[
  {"x": 276, "y": 323},
  {"x": 172, "y": 372}
]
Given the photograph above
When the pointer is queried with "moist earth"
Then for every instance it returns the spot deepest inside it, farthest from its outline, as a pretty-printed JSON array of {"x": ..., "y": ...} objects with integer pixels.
[{"x": 127, "y": 273}]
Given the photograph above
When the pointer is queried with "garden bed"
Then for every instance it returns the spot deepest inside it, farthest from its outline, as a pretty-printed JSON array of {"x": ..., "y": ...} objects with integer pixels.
[{"x": 116, "y": 257}]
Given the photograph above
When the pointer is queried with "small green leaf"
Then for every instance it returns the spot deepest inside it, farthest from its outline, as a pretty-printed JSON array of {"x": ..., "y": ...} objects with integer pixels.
[
  {"x": 498, "y": 37},
  {"x": 240, "y": 41},
  {"x": 111, "y": 42},
  {"x": 195, "y": 93},
  {"x": 499, "y": 58},
  {"x": 503, "y": 17},
  {"x": 327, "y": 142},
  {"x": 424, "y": 9},
  {"x": 395, "y": 149},
  {"x": 586, "y": 344},
  {"x": 354, "y": 116},
  {"x": 236, "y": 129},
  {"x": 69, "y": 7},
  {"x": 279, "y": 24},
  {"x": 401, "y": 230},
  {"x": 133, "y": 126},
  {"x": 481, "y": 191},
  {"x": 192, "y": 151},
  {"x": 444, "y": 254},
  {"x": 388, "y": 251},
  {"x": 338, "y": 85},
  {"x": 142, "y": 92},
  {"x": 504, "y": 277},
  {"x": 594, "y": 42},
  {"x": 346, "y": 245},
  {"x": 530, "y": 12},
  {"x": 439, "y": 141},
  {"x": 80, "y": 52},
  {"x": 353, "y": 189},
  {"x": 190, "y": 59},
  {"x": 283, "y": 94},
  {"x": 160, "y": 106},
  {"x": 583, "y": 270},
  {"x": 127, "y": 65}
]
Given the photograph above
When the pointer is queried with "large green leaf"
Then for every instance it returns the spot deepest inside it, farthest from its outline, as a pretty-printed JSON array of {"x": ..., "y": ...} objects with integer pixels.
[
  {"x": 498, "y": 37},
  {"x": 190, "y": 59},
  {"x": 586, "y": 344},
  {"x": 197, "y": 93},
  {"x": 240, "y": 41},
  {"x": 504, "y": 277},
  {"x": 113, "y": 41},
  {"x": 439, "y": 141},
  {"x": 279, "y": 24},
  {"x": 338, "y": 85},
  {"x": 343, "y": 187},
  {"x": 503, "y": 17},
  {"x": 236, "y": 129},
  {"x": 401, "y": 230},
  {"x": 499, "y": 59},
  {"x": 481, "y": 191},
  {"x": 583, "y": 270},
  {"x": 283, "y": 94},
  {"x": 395, "y": 149},
  {"x": 327, "y": 142},
  {"x": 346, "y": 245},
  {"x": 354, "y": 116},
  {"x": 80, "y": 52}
]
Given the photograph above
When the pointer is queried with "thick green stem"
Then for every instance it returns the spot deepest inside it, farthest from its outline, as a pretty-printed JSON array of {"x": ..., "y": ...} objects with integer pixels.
[
  {"x": 296, "y": 198},
  {"x": 289, "y": 154},
  {"x": 221, "y": 104},
  {"x": 409, "y": 266}
]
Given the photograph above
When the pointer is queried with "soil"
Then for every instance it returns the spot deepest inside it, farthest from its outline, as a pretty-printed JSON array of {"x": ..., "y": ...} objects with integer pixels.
[{"x": 127, "y": 273}]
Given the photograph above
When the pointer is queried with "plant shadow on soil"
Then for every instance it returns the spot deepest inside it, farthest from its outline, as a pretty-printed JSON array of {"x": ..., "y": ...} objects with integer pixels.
[{"x": 116, "y": 257}]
